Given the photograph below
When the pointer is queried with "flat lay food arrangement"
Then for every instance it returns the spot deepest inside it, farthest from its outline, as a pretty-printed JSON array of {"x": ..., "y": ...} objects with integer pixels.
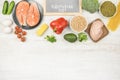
[{"x": 29, "y": 15}]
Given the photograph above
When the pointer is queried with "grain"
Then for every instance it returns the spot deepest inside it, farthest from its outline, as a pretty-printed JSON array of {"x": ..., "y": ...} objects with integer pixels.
[{"x": 78, "y": 23}]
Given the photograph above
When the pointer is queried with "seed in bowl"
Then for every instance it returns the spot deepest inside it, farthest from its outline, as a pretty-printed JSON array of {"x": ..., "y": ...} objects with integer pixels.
[
  {"x": 108, "y": 9},
  {"x": 78, "y": 23}
]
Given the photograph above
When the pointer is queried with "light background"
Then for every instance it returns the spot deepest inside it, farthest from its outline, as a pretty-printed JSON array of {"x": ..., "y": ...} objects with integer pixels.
[{"x": 38, "y": 59}]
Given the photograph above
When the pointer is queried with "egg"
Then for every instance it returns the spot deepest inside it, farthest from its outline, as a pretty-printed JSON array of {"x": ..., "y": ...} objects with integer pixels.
[
  {"x": 7, "y": 30},
  {"x": 1, "y": 28},
  {"x": 7, "y": 22}
]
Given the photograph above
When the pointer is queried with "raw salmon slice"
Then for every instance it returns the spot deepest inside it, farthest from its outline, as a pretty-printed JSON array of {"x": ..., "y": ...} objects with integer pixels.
[
  {"x": 33, "y": 16},
  {"x": 22, "y": 11}
]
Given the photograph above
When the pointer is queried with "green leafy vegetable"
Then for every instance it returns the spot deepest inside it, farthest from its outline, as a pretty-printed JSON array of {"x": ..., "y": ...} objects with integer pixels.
[
  {"x": 82, "y": 37},
  {"x": 90, "y": 5},
  {"x": 51, "y": 38}
]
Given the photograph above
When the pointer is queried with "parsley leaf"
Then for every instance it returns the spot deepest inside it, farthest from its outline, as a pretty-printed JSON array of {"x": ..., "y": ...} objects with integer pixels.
[{"x": 50, "y": 38}]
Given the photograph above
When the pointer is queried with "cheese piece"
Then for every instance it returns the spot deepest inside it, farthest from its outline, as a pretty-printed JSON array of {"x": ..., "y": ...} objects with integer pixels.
[{"x": 42, "y": 29}]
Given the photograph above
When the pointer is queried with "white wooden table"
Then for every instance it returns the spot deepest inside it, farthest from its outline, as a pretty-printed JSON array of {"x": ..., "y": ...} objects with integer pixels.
[{"x": 38, "y": 59}]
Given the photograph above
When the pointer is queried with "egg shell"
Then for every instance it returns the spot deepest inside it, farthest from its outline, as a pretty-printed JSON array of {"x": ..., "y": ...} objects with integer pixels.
[
  {"x": 7, "y": 22},
  {"x": 7, "y": 30}
]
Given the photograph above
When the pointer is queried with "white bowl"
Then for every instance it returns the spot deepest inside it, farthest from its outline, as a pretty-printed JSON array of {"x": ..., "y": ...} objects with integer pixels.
[
  {"x": 100, "y": 10},
  {"x": 76, "y": 30}
]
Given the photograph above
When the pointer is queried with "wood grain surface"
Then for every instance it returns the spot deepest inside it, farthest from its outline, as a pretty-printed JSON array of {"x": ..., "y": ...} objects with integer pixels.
[{"x": 37, "y": 59}]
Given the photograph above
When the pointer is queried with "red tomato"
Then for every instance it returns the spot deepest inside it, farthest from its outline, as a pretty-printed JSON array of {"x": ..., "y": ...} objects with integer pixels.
[
  {"x": 19, "y": 35},
  {"x": 23, "y": 39},
  {"x": 24, "y": 32},
  {"x": 19, "y": 30},
  {"x": 16, "y": 28}
]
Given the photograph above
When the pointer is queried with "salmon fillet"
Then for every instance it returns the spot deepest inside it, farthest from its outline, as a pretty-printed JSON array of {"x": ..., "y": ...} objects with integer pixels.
[
  {"x": 22, "y": 11},
  {"x": 33, "y": 16}
]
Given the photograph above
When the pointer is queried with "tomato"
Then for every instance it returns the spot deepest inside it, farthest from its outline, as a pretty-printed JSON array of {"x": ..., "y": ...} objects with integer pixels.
[
  {"x": 23, "y": 39},
  {"x": 16, "y": 32},
  {"x": 16, "y": 28},
  {"x": 20, "y": 30},
  {"x": 24, "y": 32},
  {"x": 19, "y": 35}
]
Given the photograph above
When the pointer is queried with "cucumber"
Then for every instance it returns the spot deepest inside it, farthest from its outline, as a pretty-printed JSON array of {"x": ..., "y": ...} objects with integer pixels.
[
  {"x": 10, "y": 8},
  {"x": 5, "y": 7},
  {"x": 70, "y": 37}
]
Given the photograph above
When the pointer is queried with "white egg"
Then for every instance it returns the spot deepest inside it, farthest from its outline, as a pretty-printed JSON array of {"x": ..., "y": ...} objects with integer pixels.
[
  {"x": 1, "y": 28},
  {"x": 7, "y": 30},
  {"x": 7, "y": 22}
]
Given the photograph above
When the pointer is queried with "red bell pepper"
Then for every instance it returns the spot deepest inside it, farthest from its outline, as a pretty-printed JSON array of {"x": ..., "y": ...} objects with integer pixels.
[{"x": 59, "y": 25}]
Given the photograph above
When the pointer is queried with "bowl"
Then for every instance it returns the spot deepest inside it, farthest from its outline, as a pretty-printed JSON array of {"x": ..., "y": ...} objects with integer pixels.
[
  {"x": 27, "y": 27},
  {"x": 78, "y": 23},
  {"x": 102, "y": 13}
]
